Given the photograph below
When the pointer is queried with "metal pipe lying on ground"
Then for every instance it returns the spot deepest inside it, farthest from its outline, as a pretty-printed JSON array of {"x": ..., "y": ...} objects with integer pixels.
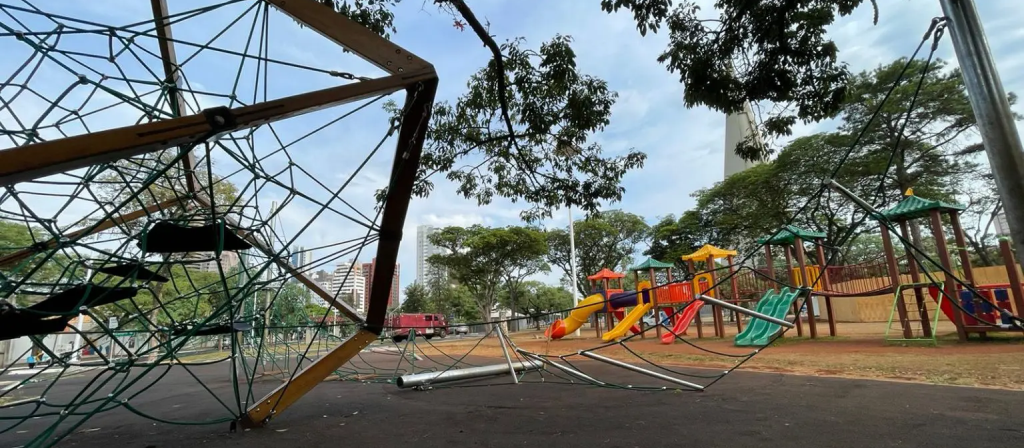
[
  {"x": 644, "y": 371},
  {"x": 428, "y": 378},
  {"x": 566, "y": 369},
  {"x": 741, "y": 310}
]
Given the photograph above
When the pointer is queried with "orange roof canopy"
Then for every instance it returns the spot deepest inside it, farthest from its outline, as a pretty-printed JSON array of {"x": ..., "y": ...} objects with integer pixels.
[
  {"x": 708, "y": 250},
  {"x": 606, "y": 273}
]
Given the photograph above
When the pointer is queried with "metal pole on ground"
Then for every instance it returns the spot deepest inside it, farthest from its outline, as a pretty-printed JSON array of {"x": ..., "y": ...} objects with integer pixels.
[
  {"x": 504, "y": 350},
  {"x": 991, "y": 109}
]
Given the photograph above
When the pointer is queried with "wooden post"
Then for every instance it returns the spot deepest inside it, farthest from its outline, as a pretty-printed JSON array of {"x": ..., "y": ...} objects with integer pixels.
[
  {"x": 654, "y": 303},
  {"x": 770, "y": 265},
  {"x": 950, "y": 283},
  {"x": 915, "y": 276},
  {"x": 716, "y": 310},
  {"x": 826, "y": 285},
  {"x": 894, "y": 278},
  {"x": 798, "y": 247},
  {"x": 735, "y": 294},
  {"x": 1013, "y": 275},
  {"x": 961, "y": 247},
  {"x": 792, "y": 281},
  {"x": 636, "y": 280},
  {"x": 965, "y": 259}
]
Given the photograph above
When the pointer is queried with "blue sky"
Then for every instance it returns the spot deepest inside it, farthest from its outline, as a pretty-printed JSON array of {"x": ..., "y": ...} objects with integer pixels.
[{"x": 684, "y": 146}]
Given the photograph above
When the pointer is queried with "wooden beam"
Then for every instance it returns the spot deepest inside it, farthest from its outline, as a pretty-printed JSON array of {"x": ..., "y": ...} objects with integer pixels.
[
  {"x": 288, "y": 393},
  {"x": 805, "y": 281},
  {"x": 172, "y": 82},
  {"x": 20, "y": 255},
  {"x": 24, "y": 163},
  {"x": 418, "y": 106},
  {"x": 356, "y": 38}
]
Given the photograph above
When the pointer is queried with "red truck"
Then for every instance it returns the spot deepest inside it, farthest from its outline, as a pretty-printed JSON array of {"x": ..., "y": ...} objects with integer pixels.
[{"x": 426, "y": 325}]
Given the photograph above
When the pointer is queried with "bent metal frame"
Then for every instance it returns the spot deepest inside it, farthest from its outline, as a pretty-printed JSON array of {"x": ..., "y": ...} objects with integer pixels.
[{"x": 406, "y": 71}]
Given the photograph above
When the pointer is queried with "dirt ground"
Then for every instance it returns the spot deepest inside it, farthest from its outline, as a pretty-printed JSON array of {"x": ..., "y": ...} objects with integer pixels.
[{"x": 860, "y": 352}]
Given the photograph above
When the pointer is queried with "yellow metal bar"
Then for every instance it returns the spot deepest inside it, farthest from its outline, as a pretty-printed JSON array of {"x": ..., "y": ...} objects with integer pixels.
[
  {"x": 288, "y": 393},
  {"x": 172, "y": 79},
  {"x": 24, "y": 163},
  {"x": 356, "y": 38}
]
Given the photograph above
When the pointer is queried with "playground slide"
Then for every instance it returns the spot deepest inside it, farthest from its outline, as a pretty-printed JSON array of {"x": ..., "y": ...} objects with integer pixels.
[
  {"x": 627, "y": 323},
  {"x": 620, "y": 314},
  {"x": 683, "y": 320},
  {"x": 577, "y": 317},
  {"x": 760, "y": 331}
]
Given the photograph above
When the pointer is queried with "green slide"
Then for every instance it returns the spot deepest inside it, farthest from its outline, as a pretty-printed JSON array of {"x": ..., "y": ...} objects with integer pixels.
[{"x": 760, "y": 331}]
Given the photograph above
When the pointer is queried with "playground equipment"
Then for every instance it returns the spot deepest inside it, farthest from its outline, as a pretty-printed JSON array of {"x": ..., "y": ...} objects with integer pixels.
[
  {"x": 703, "y": 282},
  {"x": 609, "y": 303},
  {"x": 682, "y": 321},
  {"x": 919, "y": 326},
  {"x": 791, "y": 239},
  {"x": 773, "y": 304}
]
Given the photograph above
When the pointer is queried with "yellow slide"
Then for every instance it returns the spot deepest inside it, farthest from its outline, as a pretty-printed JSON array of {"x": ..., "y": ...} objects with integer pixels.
[
  {"x": 624, "y": 325},
  {"x": 577, "y": 317}
]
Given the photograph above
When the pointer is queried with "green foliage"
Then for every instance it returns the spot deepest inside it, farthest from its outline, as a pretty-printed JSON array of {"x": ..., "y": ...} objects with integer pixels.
[
  {"x": 775, "y": 52},
  {"x": 417, "y": 299},
  {"x": 541, "y": 157},
  {"x": 605, "y": 240},
  {"x": 373, "y": 14},
  {"x": 482, "y": 259},
  {"x": 289, "y": 305},
  {"x": 441, "y": 297},
  {"x": 933, "y": 157},
  {"x": 535, "y": 299},
  {"x": 15, "y": 236}
]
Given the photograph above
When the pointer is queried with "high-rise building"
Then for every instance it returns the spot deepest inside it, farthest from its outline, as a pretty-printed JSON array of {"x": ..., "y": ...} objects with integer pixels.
[
  {"x": 424, "y": 249},
  {"x": 348, "y": 283},
  {"x": 368, "y": 270},
  {"x": 738, "y": 127},
  {"x": 322, "y": 279},
  {"x": 228, "y": 260},
  {"x": 301, "y": 257}
]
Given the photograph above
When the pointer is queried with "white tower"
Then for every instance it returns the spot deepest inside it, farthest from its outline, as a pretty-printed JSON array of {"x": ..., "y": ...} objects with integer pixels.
[{"x": 737, "y": 127}]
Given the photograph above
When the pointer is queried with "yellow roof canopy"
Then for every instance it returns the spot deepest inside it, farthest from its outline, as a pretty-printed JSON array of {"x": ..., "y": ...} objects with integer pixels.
[{"x": 708, "y": 250}]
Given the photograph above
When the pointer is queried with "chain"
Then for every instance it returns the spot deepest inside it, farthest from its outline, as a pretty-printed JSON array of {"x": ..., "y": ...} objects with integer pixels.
[{"x": 349, "y": 76}]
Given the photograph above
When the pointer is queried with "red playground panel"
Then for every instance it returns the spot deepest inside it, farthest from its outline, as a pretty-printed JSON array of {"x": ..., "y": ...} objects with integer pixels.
[{"x": 674, "y": 293}]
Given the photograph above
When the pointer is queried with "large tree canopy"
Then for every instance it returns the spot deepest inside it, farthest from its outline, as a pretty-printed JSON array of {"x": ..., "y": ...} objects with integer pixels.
[
  {"x": 486, "y": 154},
  {"x": 928, "y": 149},
  {"x": 606, "y": 240}
]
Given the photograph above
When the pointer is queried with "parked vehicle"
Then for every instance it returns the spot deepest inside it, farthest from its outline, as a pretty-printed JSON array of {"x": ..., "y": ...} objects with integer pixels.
[
  {"x": 426, "y": 325},
  {"x": 458, "y": 329}
]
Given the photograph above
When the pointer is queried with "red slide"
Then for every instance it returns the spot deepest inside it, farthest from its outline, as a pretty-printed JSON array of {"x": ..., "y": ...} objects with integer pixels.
[
  {"x": 620, "y": 314},
  {"x": 683, "y": 320}
]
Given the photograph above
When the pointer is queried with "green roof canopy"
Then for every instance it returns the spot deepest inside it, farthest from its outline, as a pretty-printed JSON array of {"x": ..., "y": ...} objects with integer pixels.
[
  {"x": 915, "y": 207},
  {"x": 651, "y": 263},
  {"x": 789, "y": 234}
]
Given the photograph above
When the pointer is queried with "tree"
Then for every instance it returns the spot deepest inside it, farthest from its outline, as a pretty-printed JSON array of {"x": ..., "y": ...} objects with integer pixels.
[
  {"x": 983, "y": 207},
  {"x": 768, "y": 51},
  {"x": 922, "y": 143},
  {"x": 15, "y": 236},
  {"x": 527, "y": 249},
  {"x": 416, "y": 299},
  {"x": 555, "y": 106},
  {"x": 605, "y": 240},
  {"x": 479, "y": 259},
  {"x": 536, "y": 299}
]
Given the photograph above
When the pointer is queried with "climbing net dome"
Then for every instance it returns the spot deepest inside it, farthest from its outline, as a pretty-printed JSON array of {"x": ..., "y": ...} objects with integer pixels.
[{"x": 160, "y": 167}]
